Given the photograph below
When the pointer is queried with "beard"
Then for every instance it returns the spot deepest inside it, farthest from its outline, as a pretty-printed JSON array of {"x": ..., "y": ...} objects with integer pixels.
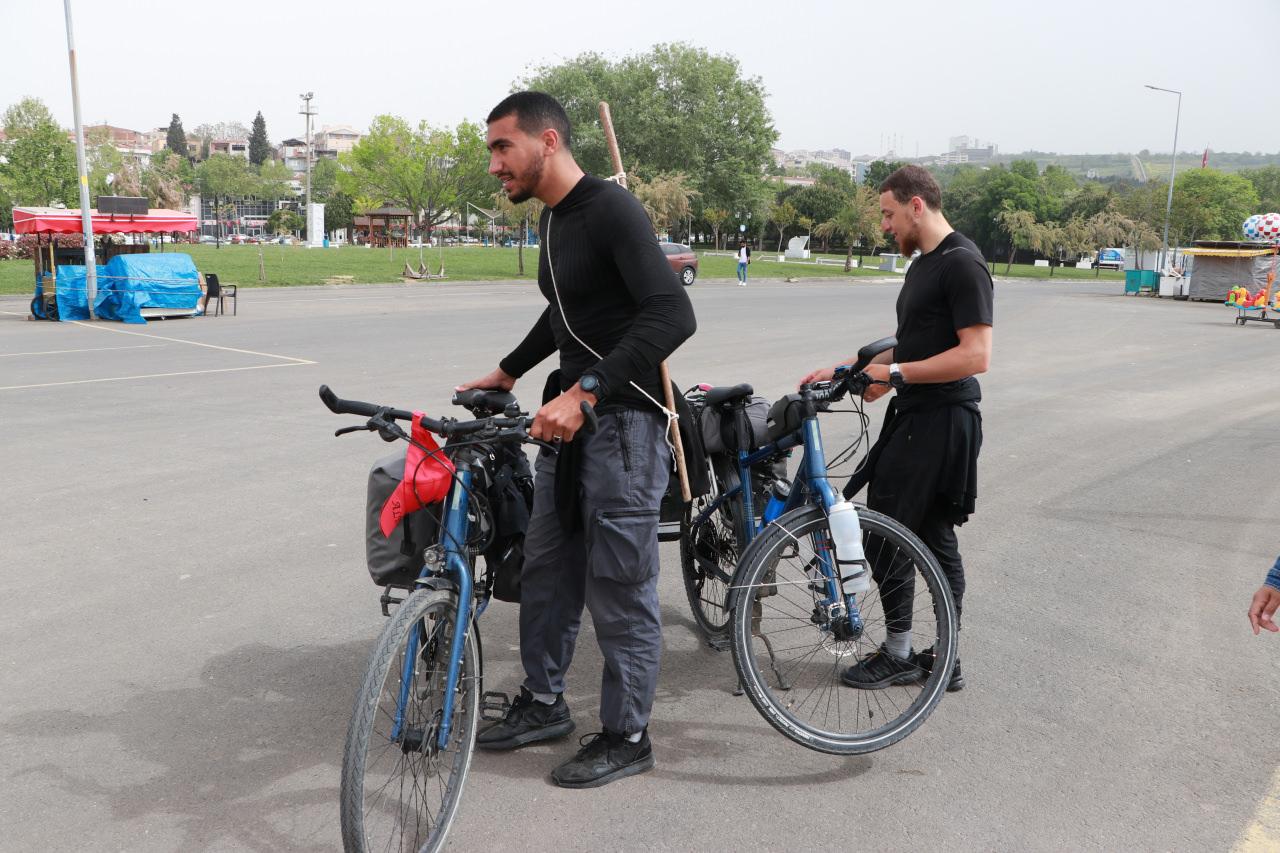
[
  {"x": 908, "y": 243},
  {"x": 525, "y": 184}
]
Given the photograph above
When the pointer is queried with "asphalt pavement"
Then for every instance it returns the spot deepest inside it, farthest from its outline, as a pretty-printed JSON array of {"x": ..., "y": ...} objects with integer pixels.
[{"x": 185, "y": 612}]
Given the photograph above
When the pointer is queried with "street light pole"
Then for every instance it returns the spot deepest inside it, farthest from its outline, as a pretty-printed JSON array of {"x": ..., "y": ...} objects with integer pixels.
[
  {"x": 1173, "y": 168},
  {"x": 86, "y": 216},
  {"x": 306, "y": 211}
]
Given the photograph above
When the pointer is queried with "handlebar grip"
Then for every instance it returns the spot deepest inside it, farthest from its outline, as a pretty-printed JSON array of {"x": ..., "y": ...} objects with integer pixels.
[
  {"x": 345, "y": 407},
  {"x": 591, "y": 421}
]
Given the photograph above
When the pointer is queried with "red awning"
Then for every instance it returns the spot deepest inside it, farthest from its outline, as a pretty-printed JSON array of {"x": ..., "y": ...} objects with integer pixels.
[{"x": 45, "y": 220}]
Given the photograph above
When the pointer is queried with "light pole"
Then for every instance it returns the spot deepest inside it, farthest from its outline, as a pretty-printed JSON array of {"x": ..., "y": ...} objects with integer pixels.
[
  {"x": 1173, "y": 167},
  {"x": 306, "y": 111},
  {"x": 86, "y": 215}
]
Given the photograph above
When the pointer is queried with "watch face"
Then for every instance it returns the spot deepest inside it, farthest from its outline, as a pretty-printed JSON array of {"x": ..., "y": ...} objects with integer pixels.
[{"x": 589, "y": 383}]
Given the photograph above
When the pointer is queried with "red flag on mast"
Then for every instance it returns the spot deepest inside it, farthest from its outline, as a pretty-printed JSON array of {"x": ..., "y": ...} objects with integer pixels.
[{"x": 1204, "y": 161}]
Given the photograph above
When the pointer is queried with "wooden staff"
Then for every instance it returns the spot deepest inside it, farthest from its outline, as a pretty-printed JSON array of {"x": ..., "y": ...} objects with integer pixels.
[{"x": 606, "y": 121}]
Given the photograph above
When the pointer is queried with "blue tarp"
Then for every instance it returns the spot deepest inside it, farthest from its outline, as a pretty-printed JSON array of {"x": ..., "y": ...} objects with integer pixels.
[{"x": 129, "y": 283}]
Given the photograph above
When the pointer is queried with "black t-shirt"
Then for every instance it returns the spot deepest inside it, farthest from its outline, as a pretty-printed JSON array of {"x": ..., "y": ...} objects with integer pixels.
[
  {"x": 945, "y": 290},
  {"x": 619, "y": 295}
]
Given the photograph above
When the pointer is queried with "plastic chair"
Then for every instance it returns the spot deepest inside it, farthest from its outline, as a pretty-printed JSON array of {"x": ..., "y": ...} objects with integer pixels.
[{"x": 219, "y": 291}]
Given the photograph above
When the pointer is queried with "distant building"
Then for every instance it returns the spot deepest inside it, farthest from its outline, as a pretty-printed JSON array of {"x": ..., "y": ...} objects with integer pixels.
[
  {"x": 334, "y": 140},
  {"x": 132, "y": 144},
  {"x": 966, "y": 149}
]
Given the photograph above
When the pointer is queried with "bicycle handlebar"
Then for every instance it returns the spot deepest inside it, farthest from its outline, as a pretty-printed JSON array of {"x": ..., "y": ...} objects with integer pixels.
[{"x": 517, "y": 427}]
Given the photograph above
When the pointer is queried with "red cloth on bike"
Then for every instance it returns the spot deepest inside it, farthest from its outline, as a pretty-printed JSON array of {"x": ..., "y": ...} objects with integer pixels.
[{"x": 426, "y": 478}]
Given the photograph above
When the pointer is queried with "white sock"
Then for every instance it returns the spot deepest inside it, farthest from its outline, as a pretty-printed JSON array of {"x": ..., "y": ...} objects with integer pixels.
[
  {"x": 635, "y": 738},
  {"x": 898, "y": 645},
  {"x": 544, "y": 698}
]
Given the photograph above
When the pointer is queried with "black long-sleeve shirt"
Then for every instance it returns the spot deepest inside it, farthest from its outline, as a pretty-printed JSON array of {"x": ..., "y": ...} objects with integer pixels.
[{"x": 619, "y": 295}]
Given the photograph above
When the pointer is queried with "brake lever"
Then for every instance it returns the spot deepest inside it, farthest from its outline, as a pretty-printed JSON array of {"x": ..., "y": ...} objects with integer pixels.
[{"x": 362, "y": 428}]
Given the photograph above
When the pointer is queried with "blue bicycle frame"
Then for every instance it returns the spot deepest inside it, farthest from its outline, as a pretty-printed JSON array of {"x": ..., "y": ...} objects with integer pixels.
[
  {"x": 454, "y": 529},
  {"x": 810, "y": 485}
]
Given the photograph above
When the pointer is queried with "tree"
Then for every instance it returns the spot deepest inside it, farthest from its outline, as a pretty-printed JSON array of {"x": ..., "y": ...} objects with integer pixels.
[
  {"x": 1266, "y": 183},
  {"x": 1210, "y": 205},
  {"x": 284, "y": 221},
  {"x": 783, "y": 216},
  {"x": 109, "y": 172},
  {"x": 666, "y": 199},
  {"x": 527, "y": 211},
  {"x": 226, "y": 178},
  {"x": 1021, "y": 229},
  {"x": 37, "y": 161},
  {"x": 259, "y": 145},
  {"x": 168, "y": 180},
  {"x": 676, "y": 108},
  {"x": 338, "y": 211},
  {"x": 818, "y": 203},
  {"x": 324, "y": 179},
  {"x": 879, "y": 170},
  {"x": 176, "y": 140},
  {"x": 857, "y": 221},
  {"x": 717, "y": 218},
  {"x": 274, "y": 182},
  {"x": 430, "y": 171},
  {"x": 1108, "y": 228}
]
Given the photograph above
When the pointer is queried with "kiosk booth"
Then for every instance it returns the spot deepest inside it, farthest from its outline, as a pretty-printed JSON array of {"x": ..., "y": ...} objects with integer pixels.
[{"x": 132, "y": 283}]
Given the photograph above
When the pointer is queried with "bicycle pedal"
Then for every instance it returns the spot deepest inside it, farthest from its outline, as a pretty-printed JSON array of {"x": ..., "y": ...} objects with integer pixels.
[{"x": 494, "y": 705}]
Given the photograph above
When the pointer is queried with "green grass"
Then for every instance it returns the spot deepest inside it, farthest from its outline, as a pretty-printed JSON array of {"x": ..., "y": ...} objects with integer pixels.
[{"x": 295, "y": 265}]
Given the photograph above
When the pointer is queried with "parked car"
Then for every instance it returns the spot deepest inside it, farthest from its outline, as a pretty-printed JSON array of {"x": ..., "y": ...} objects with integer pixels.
[{"x": 682, "y": 260}]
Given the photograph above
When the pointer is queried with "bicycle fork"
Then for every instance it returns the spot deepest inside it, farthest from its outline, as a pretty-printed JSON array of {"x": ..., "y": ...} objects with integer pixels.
[{"x": 453, "y": 532}]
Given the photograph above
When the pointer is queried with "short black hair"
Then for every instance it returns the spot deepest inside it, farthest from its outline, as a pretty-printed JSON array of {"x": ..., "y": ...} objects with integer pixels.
[
  {"x": 534, "y": 112},
  {"x": 910, "y": 181}
]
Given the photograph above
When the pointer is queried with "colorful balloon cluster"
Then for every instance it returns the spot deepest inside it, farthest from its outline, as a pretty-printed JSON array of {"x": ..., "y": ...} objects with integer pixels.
[{"x": 1263, "y": 227}]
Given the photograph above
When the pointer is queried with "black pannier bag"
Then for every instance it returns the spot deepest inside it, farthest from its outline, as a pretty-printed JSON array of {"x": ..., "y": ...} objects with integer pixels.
[
  {"x": 695, "y": 463},
  {"x": 510, "y": 497},
  {"x": 395, "y": 560},
  {"x": 785, "y": 416},
  {"x": 720, "y": 432}
]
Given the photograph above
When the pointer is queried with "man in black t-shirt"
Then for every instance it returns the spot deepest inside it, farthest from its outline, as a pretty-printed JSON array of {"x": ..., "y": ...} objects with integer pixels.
[
  {"x": 615, "y": 311},
  {"x": 922, "y": 470}
]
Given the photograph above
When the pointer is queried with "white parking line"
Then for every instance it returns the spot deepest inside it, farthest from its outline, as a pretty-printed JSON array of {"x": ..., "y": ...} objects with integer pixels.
[
  {"x": 155, "y": 375},
  {"x": 192, "y": 343},
  {"x": 87, "y": 349}
]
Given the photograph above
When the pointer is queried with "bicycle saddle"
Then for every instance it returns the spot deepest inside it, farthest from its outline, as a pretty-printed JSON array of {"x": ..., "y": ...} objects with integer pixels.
[
  {"x": 483, "y": 402},
  {"x": 728, "y": 394}
]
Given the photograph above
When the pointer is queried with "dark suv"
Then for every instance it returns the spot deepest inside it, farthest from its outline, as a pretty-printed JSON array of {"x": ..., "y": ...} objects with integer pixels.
[{"x": 682, "y": 260}]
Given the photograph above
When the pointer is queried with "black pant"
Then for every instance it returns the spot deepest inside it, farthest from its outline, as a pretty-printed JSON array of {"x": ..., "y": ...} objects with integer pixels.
[{"x": 896, "y": 577}]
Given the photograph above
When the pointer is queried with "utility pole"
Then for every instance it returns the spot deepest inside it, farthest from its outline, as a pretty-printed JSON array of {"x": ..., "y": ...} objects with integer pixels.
[
  {"x": 1173, "y": 168},
  {"x": 307, "y": 111},
  {"x": 86, "y": 216}
]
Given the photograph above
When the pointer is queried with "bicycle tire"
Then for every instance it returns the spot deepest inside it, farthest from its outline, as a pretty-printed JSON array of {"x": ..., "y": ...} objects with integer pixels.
[
  {"x": 709, "y": 553},
  {"x": 772, "y": 598},
  {"x": 378, "y": 805}
]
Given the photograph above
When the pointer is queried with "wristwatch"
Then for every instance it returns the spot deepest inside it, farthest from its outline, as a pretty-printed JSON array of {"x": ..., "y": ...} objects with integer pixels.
[
  {"x": 895, "y": 376},
  {"x": 590, "y": 383}
]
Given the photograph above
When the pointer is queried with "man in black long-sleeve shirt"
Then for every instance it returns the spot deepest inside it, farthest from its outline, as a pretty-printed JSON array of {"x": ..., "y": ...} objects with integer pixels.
[{"x": 615, "y": 311}]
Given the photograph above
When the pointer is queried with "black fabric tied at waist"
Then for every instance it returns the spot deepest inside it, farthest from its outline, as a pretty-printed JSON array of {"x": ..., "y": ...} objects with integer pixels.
[{"x": 927, "y": 452}]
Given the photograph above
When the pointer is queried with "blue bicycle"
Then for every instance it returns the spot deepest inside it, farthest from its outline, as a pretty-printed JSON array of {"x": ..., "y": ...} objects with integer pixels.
[
  {"x": 412, "y": 732},
  {"x": 797, "y": 609}
]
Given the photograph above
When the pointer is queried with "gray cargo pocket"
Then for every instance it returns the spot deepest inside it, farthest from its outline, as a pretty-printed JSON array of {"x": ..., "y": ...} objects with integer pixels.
[{"x": 624, "y": 545}]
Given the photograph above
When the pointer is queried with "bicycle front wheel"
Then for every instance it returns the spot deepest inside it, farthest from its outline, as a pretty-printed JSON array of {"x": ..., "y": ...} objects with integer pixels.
[
  {"x": 790, "y": 654},
  {"x": 400, "y": 788},
  {"x": 709, "y": 551}
]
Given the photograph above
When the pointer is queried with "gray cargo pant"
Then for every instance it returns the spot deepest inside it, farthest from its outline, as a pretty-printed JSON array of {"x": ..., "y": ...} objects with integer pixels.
[{"x": 610, "y": 564}]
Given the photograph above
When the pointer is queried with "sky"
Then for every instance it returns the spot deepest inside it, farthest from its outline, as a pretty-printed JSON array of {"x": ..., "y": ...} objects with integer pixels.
[{"x": 1062, "y": 77}]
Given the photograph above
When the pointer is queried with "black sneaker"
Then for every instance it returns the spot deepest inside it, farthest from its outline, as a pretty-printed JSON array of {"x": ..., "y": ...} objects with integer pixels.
[
  {"x": 879, "y": 670},
  {"x": 924, "y": 660},
  {"x": 605, "y": 756},
  {"x": 527, "y": 721}
]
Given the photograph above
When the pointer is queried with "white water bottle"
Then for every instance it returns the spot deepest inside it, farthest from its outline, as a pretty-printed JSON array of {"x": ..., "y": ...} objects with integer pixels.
[{"x": 846, "y": 535}]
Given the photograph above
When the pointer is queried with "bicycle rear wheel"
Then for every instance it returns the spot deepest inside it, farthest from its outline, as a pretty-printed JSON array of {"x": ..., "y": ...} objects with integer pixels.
[
  {"x": 709, "y": 552},
  {"x": 790, "y": 662},
  {"x": 401, "y": 790}
]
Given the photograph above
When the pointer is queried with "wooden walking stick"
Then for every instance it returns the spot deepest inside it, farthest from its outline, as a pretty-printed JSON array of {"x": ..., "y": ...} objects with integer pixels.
[{"x": 606, "y": 121}]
